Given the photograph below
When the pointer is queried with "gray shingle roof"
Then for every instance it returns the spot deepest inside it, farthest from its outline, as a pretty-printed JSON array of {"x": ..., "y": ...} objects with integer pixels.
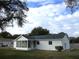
[
  {"x": 51, "y": 36},
  {"x": 5, "y": 39}
]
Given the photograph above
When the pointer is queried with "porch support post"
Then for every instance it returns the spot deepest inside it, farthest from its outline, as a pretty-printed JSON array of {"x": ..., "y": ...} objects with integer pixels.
[
  {"x": 27, "y": 43},
  {"x": 32, "y": 44}
]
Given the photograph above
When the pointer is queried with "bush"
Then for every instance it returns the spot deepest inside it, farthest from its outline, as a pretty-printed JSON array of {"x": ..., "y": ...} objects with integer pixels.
[{"x": 59, "y": 48}]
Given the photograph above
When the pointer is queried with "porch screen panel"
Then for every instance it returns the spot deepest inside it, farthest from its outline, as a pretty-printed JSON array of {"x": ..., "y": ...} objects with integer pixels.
[
  {"x": 21, "y": 44},
  {"x": 24, "y": 43},
  {"x": 18, "y": 43}
]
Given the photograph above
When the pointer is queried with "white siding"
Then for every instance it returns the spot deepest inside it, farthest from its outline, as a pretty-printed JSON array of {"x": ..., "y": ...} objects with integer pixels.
[
  {"x": 17, "y": 48},
  {"x": 57, "y": 43},
  {"x": 14, "y": 44},
  {"x": 22, "y": 39},
  {"x": 66, "y": 44},
  {"x": 44, "y": 45}
]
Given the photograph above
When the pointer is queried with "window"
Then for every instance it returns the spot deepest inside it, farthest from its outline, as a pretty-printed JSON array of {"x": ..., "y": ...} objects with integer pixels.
[
  {"x": 18, "y": 43},
  {"x": 38, "y": 42},
  {"x": 50, "y": 42},
  {"x": 21, "y": 43}
]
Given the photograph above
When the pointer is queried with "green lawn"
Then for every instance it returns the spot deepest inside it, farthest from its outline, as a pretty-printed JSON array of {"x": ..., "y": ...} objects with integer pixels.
[{"x": 6, "y": 53}]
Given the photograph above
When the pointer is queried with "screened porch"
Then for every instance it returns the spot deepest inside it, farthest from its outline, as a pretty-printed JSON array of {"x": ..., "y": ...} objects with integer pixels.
[{"x": 26, "y": 44}]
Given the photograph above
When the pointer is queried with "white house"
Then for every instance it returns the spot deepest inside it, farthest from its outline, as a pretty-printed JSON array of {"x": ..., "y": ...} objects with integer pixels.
[
  {"x": 5, "y": 42},
  {"x": 42, "y": 42}
]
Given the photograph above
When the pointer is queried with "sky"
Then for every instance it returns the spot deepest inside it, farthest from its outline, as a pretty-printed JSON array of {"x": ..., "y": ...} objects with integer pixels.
[{"x": 49, "y": 14}]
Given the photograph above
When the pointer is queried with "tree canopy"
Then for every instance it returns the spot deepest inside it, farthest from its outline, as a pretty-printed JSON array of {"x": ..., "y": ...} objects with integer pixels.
[
  {"x": 72, "y": 4},
  {"x": 8, "y": 35},
  {"x": 74, "y": 39},
  {"x": 5, "y": 35},
  {"x": 11, "y": 10},
  {"x": 39, "y": 31}
]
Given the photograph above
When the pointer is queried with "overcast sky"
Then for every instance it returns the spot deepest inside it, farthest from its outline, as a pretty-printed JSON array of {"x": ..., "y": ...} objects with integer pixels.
[{"x": 49, "y": 14}]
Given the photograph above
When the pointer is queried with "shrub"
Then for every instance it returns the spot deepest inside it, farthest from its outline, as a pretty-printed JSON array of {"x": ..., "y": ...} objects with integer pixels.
[{"x": 59, "y": 48}]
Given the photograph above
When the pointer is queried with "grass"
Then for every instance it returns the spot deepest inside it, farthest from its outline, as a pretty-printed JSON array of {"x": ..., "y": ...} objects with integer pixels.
[{"x": 6, "y": 53}]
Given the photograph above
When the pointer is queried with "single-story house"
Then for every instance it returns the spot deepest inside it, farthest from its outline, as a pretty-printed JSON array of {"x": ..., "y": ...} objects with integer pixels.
[
  {"x": 42, "y": 42},
  {"x": 4, "y": 42}
]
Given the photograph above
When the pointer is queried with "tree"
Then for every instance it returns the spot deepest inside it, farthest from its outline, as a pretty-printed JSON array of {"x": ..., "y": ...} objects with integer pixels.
[
  {"x": 15, "y": 36},
  {"x": 62, "y": 33},
  {"x": 72, "y": 4},
  {"x": 74, "y": 40},
  {"x": 5, "y": 34},
  {"x": 11, "y": 10},
  {"x": 39, "y": 31}
]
